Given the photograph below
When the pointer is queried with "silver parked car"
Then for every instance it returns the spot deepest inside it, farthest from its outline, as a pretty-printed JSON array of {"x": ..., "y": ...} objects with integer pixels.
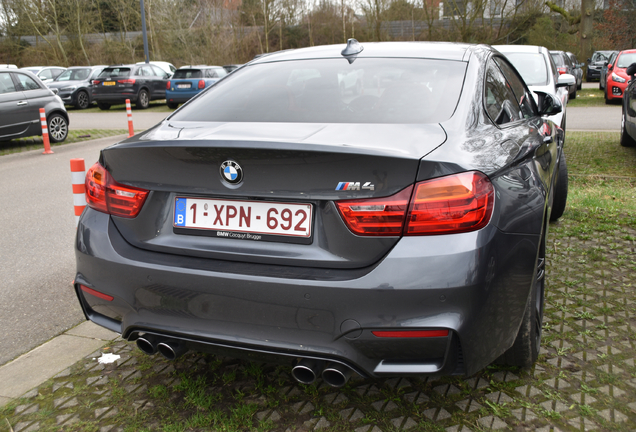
[
  {"x": 21, "y": 96},
  {"x": 45, "y": 73}
]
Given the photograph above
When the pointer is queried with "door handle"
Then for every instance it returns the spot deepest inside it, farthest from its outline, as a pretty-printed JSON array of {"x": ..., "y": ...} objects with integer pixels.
[{"x": 22, "y": 103}]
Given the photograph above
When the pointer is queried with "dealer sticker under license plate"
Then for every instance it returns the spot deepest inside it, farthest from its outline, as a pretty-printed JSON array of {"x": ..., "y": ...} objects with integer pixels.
[{"x": 255, "y": 217}]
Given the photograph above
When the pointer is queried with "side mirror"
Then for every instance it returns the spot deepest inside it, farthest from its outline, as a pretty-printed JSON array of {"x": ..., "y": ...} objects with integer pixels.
[
  {"x": 548, "y": 104},
  {"x": 589, "y": 60},
  {"x": 610, "y": 67},
  {"x": 566, "y": 80},
  {"x": 54, "y": 90},
  {"x": 631, "y": 70}
]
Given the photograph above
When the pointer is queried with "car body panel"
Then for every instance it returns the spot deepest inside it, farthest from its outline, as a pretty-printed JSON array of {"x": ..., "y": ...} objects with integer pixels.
[
  {"x": 20, "y": 106},
  {"x": 629, "y": 108},
  {"x": 69, "y": 89},
  {"x": 617, "y": 77},
  {"x": 596, "y": 63},
  {"x": 324, "y": 298},
  {"x": 603, "y": 77}
]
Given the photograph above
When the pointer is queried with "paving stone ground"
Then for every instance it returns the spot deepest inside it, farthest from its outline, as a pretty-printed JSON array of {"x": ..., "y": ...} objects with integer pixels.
[{"x": 585, "y": 379}]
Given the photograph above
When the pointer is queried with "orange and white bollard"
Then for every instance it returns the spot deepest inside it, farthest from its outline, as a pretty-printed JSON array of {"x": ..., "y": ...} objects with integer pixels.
[
  {"x": 131, "y": 131},
  {"x": 78, "y": 174},
  {"x": 45, "y": 133}
]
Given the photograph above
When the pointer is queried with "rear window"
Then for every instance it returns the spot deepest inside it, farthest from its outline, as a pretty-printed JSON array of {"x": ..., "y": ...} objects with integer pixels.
[
  {"x": 626, "y": 59},
  {"x": 115, "y": 73},
  {"x": 531, "y": 66},
  {"x": 333, "y": 91},
  {"x": 558, "y": 60},
  {"x": 188, "y": 73}
]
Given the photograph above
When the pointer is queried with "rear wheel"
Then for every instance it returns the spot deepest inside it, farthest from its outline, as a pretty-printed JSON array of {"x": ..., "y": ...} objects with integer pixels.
[
  {"x": 103, "y": 106},
  {"x": 626, "y": 139},
  {"x": 573, "y": 95},
  {"x": 82, "y": 101},
  {"x": 607, "y": 101},
  {"x": 525, "y": 350},
  {"x": 143, "y": 100},
  {"x": 172, "y": 105},
  {"x": 560, "y": 191},
  {"x": 58, "y": 128}
]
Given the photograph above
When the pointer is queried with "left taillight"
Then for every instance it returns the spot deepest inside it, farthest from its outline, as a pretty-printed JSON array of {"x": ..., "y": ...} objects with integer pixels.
[
  {"x": 104, "y": 194},
  {"x": 201, "y": 84},
  {"x": 453, "y": 204},
  {"x": 168, "y": 85},
  {"x": 446, "y": 205},
  {"x": 562, "y": 70}
]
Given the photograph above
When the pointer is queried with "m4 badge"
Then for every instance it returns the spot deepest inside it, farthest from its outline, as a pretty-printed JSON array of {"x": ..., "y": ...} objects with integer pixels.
[{"x": 354, "y": 186}]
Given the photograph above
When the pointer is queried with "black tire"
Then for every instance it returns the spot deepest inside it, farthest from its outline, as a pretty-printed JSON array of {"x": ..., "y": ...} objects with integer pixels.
[
  {"x": 525, "y": 350},
  {"x": 573, "y": 96},
  {"x": 82, "y": 100},
  {"x": 607, "y": 101},
  {"x": 580, "y": 85},
  {"x": 560, "y": 191},
  {"x": 172, "y": 105},
  {"x": 58, "y": 128},
  {"x": 143, "y": 99},
  {"x": 626, "y": 139},
  {"x": 103, "y": 106}
]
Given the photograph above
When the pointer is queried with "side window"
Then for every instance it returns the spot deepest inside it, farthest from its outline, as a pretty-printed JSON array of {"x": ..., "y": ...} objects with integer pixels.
[
  {"x": 501, "y": 103},
  {"x": 46, "y": 74},
  {"x": 211, "y": 73},
  {"x": 524, "y": 99},
  {"x": 157, "y": 71},
  {"x": 27, "y": 83},
  {"x": 555, "y": 73},
  {"x": 57, "y": 72},
  {"x": 6, "y": 83}
]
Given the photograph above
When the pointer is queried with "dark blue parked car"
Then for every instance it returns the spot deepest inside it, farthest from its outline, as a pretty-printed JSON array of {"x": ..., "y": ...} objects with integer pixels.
[{"x": 188, "y": 81}]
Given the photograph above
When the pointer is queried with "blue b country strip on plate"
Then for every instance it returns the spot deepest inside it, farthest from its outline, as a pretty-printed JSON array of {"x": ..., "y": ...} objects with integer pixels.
[{"x": 180, "y": 212}]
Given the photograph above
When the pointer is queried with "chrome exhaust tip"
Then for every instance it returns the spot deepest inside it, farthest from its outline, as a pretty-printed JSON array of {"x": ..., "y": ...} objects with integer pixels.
[
  {"x": 147, "y": 344},
  {"x": 172, "y": 349},
  {"x": 306, "y": 371},
  {"x": 336, "y": 375}
]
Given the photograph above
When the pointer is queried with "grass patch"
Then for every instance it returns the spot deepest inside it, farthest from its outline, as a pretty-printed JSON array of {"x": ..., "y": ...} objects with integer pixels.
[
  {"x": 602, "y": 174},
  {"x": 155, "y": 106},
  {"x": 35, "y": 143},
  {"x": 588, "y": 97}
]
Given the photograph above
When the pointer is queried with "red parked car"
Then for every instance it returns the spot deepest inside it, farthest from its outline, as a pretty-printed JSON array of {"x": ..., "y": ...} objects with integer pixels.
[{"x": 617, "y": 78}]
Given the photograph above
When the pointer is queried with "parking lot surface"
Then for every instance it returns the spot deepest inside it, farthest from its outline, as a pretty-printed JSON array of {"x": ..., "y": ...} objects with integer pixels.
[{"x": 585, "y": 378}]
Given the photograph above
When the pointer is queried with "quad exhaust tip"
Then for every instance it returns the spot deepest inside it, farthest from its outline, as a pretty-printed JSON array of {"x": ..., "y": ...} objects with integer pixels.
[
  {"x": 147, "y": 344},
  {"x": 308, "y": 370},
  {"x": 336, "y": 375},
  {"x": 172, "y": 349}
]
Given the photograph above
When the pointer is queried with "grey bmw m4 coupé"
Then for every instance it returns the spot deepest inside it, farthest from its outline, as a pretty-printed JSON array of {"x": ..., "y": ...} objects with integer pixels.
[{"x": 378, "y": 208}]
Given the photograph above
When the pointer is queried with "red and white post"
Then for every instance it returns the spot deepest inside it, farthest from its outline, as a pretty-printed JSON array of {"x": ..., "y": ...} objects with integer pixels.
[
  {"x": 45, "y": 133},
  {"x": 78, "y": 174},
  {"x": 131, "y": 131}
]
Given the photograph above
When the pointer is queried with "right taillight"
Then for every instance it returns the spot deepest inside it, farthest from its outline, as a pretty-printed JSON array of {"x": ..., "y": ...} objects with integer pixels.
[
  {"x": 562, "y": 70},
  {"x": 168, "y": 85},
  {"x": 104, "y": 194},
  {"x": 453, "y": 204},
  {"x": 201, "y": 84}
]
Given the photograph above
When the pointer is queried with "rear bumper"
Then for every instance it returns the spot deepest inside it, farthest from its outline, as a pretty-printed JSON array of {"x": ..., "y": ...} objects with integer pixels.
[
  {"x": 475, "y": 285},
  {"x": 180, "y": 96},
  {"x": 118, "y": 98},
  {"x": 593, "y": 73}
]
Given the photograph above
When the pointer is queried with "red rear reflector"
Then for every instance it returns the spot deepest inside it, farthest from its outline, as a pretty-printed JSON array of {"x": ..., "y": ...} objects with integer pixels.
[
  {"x": 168, "y": 85},
  {"x": 104, "y": 194},
  {"x": 96, "y": 293},
  {"x": 201, "y": 84},
  {"x": 453, "y": 204},
  {"x": 376, "y": 216},
  {"x": 126, "y": 81},
  {"x": 411, "y": 333}
]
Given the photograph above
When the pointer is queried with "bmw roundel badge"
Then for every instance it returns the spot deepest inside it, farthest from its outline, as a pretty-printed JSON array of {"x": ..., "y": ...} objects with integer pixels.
[{"x": 231, "y": 172}]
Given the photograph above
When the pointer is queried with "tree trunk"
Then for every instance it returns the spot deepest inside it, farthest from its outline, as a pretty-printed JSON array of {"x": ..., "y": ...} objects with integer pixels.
[{"x": 585, "y": 29}]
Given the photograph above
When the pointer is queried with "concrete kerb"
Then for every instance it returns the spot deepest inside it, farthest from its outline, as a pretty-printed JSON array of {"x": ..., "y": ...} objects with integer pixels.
[{"x": 44, "y": 362}]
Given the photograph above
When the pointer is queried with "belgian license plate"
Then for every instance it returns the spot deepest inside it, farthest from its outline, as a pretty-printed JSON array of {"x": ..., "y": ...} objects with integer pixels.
[
  {"x": 184, "y": 86},
  {"x": 109, "y": 83},
  {"x": 249, "y": 217}
]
